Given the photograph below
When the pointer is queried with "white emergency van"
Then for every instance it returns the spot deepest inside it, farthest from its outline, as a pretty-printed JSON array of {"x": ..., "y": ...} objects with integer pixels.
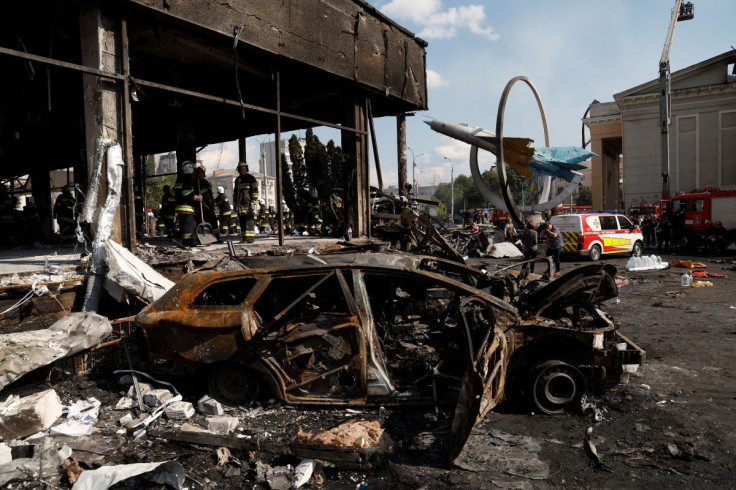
[{"x": 596, "y": 234}]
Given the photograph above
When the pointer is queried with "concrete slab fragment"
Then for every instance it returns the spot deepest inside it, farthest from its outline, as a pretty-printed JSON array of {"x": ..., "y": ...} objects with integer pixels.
[
  {"x": 25, "y": 351},
  {"x": 129, "y": 274},
  {"x": 209, "y": 406},
  {"x": 179, "y": 411},
  {"x": 20, "y": 417},
  {"x": 221, "y": 425}
]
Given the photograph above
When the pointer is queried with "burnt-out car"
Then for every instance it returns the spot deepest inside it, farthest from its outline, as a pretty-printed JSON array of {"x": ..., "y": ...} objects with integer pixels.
[{"x": 383, "y": 329}]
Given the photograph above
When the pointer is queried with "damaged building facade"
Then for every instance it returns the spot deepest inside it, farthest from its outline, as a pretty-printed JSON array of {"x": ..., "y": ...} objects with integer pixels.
[{"x": 160, "y": 76}]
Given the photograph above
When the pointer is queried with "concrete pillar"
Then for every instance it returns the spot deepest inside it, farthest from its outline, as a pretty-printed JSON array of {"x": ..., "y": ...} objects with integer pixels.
[
  {"x": 42, "y": 197},
  {"x": 187, "y": 149},
  {"x": 103, "y": 98},
  {"x": 241, "y": 150},
  {"x": 355, "y": 148},
  {"x": 401, "y": 153}
]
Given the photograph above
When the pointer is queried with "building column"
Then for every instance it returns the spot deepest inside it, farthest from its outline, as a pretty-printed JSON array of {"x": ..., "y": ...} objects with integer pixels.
[
  {"x": 401, "y": 153},
  {"x": 355, "y": 148},
  {"x": 104, "y": 104}
]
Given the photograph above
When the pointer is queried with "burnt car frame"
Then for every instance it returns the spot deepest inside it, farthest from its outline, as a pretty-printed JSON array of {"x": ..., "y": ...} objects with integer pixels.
[{"x": 387, "y": 329}]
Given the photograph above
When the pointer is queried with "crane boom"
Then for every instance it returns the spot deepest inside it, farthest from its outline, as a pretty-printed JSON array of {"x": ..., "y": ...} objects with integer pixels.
[{"x": 682, "y": 11}]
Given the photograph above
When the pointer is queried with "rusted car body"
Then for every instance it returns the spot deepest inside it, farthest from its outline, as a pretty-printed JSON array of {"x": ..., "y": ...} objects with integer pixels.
[{"x": 389, "y": 328}]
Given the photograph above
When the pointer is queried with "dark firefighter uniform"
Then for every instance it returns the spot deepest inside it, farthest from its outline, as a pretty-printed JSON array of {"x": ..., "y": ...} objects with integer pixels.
[
  {"x": 262, "y": 218},
  {"x": 314, "y": 217},
  {"x": 64, "y": 212},
  {"x": 184, "y": 193},
  {"x": 204, "y": 189},
  {"x": 167, "y": 213},
  {"x": 245, "y": 195},
  {"x": 227, "y": 226}
]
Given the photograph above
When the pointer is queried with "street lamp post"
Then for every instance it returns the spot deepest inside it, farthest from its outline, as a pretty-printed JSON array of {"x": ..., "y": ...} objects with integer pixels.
[
  {"x": 414, "y": 169},
  {"x": 452, "y": 189},
  {"x": 265, "y": 178}
]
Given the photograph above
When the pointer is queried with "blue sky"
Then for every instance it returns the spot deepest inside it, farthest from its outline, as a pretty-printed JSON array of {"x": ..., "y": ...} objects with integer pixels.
[{"x": 574, "y": 51}]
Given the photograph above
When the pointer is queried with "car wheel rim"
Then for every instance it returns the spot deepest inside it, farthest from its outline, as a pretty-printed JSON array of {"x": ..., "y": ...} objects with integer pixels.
[{"x": 557, "y": 387}]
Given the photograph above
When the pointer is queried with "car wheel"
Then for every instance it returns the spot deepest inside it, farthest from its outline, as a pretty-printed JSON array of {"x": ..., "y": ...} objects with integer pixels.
[
  {"x": 638, "y": 250},
  {"x": 595, "y": 253},
  {"x": 556, "y": 386},
  {"x": 233, "y": 384}
]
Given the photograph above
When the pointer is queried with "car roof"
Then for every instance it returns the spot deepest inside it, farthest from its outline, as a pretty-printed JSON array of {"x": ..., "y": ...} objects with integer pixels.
[{"x": 398, "y": 264}]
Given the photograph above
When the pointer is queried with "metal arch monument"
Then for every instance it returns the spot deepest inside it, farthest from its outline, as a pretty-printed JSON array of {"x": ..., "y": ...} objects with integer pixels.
[{"x": 545, "y": 162}]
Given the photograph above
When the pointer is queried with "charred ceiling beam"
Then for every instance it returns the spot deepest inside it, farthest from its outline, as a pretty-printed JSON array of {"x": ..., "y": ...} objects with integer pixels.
[{"x": 338, "y": 37}]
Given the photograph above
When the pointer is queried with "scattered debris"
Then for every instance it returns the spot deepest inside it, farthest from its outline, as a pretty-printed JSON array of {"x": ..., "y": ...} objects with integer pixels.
[
  {"x": 23, "y": 352},
  {"x": 179, "y": 411},
  {"x": 303, "y": 472},
  {"x": 361, "y": 434},
  {"x": 20, "y": 417},
  {"x": 688, "y": 264},
  {"x": 127, "y": 274},
  {"x": 646, "y": 263},
  {"x": 167, "y": 473},
  {"x": 507, "y": 453},
  {"x": 221, "y": 424},
  {"x": 709, "y": 274},
  {"x": 209, "y": 406}
]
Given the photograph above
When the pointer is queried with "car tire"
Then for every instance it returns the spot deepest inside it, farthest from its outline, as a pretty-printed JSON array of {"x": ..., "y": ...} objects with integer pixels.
[
  {"x": 233, "y": 384},
  {"x": 637, "y": 250},
  {"x": 595, "y": 253},
  {"x": 556, "y": 386}
]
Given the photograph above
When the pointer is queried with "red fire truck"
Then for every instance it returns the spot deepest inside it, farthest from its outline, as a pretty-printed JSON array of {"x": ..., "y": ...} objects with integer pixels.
[
  {"x": 644, "y": 210},
  {"x": 704, "y": 217}
]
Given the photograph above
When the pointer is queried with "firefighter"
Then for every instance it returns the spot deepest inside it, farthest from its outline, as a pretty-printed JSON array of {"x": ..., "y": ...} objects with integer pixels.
[
  {"x": 167, "y": 214},
  {"x": 314, "y": 217},
  {"x": 288, "y": 218},
  {"x": 272, "y": 218},
  {"x": 263, "y": 221},
  {"x": 301, "y": 213},
  {"x": 245, "y": 196},
  {"x": 186, "y": 200},
  {"x": 65, "y": 213},
  {"x": 203, "y": 188},
  {"x": 227, "y": 225}
]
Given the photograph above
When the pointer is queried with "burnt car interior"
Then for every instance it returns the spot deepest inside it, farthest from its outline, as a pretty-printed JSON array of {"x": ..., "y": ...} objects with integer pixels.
[
  {"x": 311, "y": 335},
  {"x": 419, "y": 336}
]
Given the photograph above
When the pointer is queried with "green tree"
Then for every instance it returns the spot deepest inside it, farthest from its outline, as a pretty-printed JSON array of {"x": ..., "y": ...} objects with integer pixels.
[
  {"x": 336, "y": 161},
  {"x": 317, "y": 164},
  {"x": 585, "y": 196},
  {"x": 155, "y": 185},
  {"x": 522, "y": 189},
  {"x": 298, "y": 167}
]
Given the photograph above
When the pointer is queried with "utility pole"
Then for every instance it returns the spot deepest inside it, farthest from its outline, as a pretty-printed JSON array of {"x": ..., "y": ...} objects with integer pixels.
[
  {"x": 452, "y": 189},
  {"x": 414, "y": 170}
]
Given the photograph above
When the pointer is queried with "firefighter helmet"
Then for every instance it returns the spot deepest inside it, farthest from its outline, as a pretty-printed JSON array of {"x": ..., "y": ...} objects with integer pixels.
[
  {"x": 220, "y": 189},
  {"x": 243, "y": 164},
  {"x": 187, "y": 168}
]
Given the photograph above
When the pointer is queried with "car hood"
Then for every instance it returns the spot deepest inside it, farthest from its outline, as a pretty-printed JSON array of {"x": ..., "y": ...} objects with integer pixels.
[{"x": 587, "y": 285}]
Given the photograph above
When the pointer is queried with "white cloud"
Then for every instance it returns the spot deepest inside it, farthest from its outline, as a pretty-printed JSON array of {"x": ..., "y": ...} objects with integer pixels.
[
  {"x": 457, "y": 151},
  {"x": 435, "y": 80},
  {"x": 438, "y": 23}
]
